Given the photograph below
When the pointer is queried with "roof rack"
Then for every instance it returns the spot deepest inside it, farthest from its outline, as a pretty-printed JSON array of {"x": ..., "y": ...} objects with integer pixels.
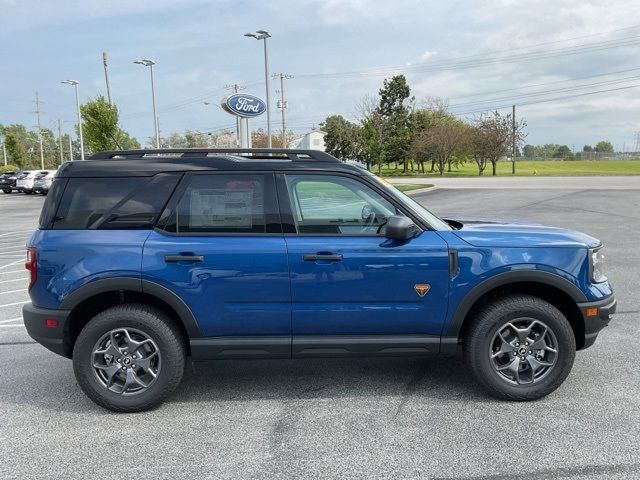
[{"x": 253, "y": 153}]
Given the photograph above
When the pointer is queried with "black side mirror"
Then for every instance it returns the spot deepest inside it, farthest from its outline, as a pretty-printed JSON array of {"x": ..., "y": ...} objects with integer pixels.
[{"x": 400, "y": 227}]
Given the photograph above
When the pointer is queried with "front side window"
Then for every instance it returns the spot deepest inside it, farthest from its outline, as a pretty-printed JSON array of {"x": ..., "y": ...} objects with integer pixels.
[
  {"x": 221, "y": 203},
  {"x": 328, "y": 204}
]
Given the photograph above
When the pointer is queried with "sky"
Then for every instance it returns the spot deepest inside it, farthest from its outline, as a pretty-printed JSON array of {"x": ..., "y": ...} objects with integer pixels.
[{"x": 571, "y": 67}]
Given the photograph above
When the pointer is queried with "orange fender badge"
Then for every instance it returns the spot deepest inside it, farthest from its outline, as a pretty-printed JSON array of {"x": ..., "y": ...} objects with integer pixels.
[{"x": 422, "y": 288}]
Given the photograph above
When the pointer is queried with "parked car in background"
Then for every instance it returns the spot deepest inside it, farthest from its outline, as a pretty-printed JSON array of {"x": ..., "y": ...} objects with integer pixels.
[
  {"x": 8, "y": 182},
  {"x": 42, "y": 182},
  {"x": 24, "y": 183}
]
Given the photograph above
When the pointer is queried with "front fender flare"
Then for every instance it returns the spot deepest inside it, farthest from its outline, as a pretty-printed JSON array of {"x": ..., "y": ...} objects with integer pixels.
[{"x": 506, "y": 278}]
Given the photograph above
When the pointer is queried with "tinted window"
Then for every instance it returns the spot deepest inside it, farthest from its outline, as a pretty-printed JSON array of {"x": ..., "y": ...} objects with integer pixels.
[
  {"x": 224, "y": 203},
  {"x": 114, "y": 203},
  {"x": 336, "y": 205}
]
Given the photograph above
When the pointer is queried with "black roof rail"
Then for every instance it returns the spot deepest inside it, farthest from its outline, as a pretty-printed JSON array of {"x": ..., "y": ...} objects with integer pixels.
[{"x": 256, "y": 153}]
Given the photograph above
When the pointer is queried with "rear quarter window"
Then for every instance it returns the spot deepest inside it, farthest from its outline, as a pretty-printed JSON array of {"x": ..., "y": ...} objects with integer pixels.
[{"x": 113, "y": 203}]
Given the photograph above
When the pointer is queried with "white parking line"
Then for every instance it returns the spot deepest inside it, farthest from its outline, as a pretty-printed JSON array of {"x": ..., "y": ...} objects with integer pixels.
[
  {"x": 15, "y": 280},
  {"x": 13, "y": 291},
  {"x": 10, "y": 252},
  {"x": 12, "y": 263},
  {"x": 21, "y": 325},
  {"x": 14, "y": 303},
  {"x": 11, "y": 320},
  {"x": 21, "y": 232},
  {"x": 13, "y": 271}
]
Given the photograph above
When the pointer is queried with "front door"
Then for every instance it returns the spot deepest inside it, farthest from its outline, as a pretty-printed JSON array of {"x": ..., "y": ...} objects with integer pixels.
[
  {"x": 353, "y": 290},
  {"x": 219, "y": 247}
]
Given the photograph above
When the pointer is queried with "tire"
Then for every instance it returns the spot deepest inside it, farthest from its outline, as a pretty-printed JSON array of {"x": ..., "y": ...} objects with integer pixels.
[
  {"x": 140, "y": 321},
  {"x": 525, "y": 374},
  {"x": 27, "y": 192},
  {"x": 6, "y": 190}
]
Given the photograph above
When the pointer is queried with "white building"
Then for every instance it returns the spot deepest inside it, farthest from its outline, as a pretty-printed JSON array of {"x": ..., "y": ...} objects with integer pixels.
[{"x": 314, "y": 140}]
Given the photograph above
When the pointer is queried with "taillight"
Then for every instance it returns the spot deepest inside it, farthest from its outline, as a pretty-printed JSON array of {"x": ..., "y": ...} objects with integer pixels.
[{"x": 32, "y": 265}]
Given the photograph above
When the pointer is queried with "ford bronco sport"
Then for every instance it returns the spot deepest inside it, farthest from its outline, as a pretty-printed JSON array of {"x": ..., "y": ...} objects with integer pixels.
[{"x": 145, "y": 258}]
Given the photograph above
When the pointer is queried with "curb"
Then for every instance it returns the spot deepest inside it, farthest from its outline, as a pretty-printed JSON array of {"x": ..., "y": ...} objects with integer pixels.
[{"x": 418, "y": 191}]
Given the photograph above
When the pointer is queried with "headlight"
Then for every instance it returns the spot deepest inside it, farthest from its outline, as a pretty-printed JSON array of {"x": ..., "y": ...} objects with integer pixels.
[{"x": 596, "y": 265}]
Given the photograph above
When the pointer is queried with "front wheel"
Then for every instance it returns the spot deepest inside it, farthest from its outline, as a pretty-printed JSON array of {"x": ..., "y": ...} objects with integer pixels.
[
  {"x": 520, "y": 347},
  {"x": 6, "y": 190},
  {"x": 129, "y": 358}
]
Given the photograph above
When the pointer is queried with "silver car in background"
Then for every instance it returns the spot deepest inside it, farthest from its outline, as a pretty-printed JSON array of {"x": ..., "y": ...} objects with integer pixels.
[{"x": 42, "y": 181}]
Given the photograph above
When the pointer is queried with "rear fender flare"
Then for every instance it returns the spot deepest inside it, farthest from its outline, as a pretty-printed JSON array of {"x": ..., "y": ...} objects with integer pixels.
[{"x": 132, "y": 284}]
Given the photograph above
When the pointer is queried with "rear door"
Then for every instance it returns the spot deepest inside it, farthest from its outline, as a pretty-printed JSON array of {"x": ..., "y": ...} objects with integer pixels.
[
  {"x": 219, "y": 247},
  {"x": 353, "y": 290}
]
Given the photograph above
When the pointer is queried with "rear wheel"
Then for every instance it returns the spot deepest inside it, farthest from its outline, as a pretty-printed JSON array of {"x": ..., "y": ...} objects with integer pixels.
[
  {"x": 520, "y": 347},
  {"x": 6, "y": 190},
  {"x": 129, "y": 358}
]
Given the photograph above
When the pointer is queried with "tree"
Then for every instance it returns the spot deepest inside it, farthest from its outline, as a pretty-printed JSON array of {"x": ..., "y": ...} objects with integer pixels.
[
  {"x": 604, "y": 146},
  {"x": 420, "y": 121},
  {"x": 442, "y": 141},
  {"x": 529, "y": 151},
  {"x": 587, "y": 148},
  {"x": 491, "y": 138},
  {"x": 563, "y": 151},
  {"x": 394, "y": 109},
  {"x": 342, "y": 137},
  {"x": 100, "y": 127},
  {"x": 259, "y": 139}
]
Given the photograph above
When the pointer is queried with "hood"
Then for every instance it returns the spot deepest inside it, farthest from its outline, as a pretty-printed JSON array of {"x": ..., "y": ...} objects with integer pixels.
[{"x": 496, "y": 233}]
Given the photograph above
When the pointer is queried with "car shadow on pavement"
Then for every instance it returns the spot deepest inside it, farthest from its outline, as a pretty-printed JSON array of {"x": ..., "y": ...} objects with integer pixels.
[
  {"x": 55, "y": 387},
  {"x": 233, "y": 380}
]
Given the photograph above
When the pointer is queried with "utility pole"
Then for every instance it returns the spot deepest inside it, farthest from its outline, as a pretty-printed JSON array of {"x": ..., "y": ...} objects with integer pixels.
[
  {"x": 4, "y": 152},
  {"x": 513, "y": 141},
  {"x": 236, "y": 88},
  {"x": 282, "y": 105},
  {"x": 37, "y": 112},
  {"x": 70, "y": 149},
  {"x": 60, "y": 142},
  {"x": 106, "y": 76}
]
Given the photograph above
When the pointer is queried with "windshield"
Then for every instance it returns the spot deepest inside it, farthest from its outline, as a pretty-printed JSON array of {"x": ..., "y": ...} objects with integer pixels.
[{"x": 405, "y": 199}]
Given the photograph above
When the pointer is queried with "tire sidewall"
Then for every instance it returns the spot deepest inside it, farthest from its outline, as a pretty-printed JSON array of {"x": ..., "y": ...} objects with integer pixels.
[
  {"x": 171, "y": 361},
  {"x": 564, "y": 362}
]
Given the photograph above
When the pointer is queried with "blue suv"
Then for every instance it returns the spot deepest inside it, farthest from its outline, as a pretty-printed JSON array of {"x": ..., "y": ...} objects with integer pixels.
[{"x": 145, "y": 258}]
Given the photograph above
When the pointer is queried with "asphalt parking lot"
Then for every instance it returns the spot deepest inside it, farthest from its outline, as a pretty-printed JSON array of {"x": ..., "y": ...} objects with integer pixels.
[{"x": 365, "y": 418}]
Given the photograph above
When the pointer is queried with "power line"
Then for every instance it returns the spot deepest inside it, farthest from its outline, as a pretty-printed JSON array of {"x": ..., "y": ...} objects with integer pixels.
[
  {"x": 546, "y": 92},
  {"x": 472, "y": 61},
  {"x": 551, "y": 99}
]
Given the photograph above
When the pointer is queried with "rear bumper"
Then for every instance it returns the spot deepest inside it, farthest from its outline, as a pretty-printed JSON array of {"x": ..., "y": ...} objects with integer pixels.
[
  {"x": 52, "y": 338},
  {"x": 596, "y": 315}
]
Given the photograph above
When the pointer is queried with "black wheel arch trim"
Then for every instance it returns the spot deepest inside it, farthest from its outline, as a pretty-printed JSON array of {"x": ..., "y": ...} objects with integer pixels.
[
  {"x": 506, "y": 278},
  {"x": 135, "y": 285}
]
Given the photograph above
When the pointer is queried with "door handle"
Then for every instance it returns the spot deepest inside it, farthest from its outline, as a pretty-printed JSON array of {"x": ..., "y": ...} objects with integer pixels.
[
  {"x": 312, "y": 257},
  {"x": 183, "y": 258}
]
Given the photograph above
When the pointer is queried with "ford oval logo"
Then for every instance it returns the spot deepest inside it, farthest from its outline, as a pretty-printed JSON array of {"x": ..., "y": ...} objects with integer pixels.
[{"x": 244, "y": 105}]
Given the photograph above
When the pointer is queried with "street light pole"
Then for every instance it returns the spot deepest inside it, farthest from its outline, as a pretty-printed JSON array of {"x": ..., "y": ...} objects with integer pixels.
[
  {"x": 75, "y": 85},
  {"x": 264, "y": 35},
  {"x": 150, "y": 63}
]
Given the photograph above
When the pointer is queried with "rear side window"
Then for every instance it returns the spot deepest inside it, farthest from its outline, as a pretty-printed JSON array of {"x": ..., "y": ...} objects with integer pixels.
[
  {"x": 225, "y": 203},
  {"x": 51, "y": 203},
  {"x": 113, "y": 203}
]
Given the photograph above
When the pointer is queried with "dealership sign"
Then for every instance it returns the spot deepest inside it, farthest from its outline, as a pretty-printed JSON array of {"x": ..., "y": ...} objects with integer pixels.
[{"x": 247, "y": 106}]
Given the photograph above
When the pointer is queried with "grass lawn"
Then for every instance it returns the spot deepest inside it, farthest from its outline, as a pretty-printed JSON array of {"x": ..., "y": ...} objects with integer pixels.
[{"x": 533, "y": 167}]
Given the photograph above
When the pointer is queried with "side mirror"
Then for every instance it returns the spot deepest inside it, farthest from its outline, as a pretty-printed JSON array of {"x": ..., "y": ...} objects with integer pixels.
[{"x": 400, "y": 227}]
